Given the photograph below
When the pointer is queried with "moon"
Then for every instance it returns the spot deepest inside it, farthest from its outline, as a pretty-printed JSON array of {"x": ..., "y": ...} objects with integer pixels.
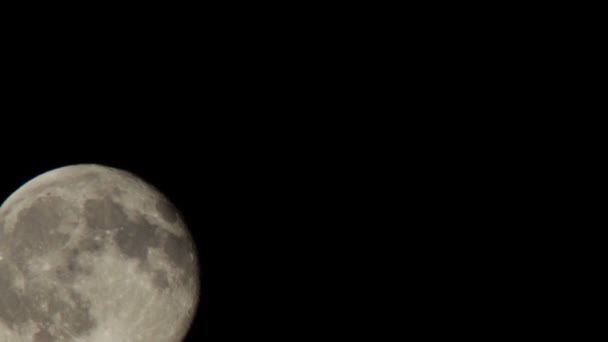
[{"x": 93, "y": 253}]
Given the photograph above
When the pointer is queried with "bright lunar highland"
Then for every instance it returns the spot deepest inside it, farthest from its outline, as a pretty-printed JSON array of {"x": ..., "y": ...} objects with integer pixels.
[{"x": 92, "y": 253}]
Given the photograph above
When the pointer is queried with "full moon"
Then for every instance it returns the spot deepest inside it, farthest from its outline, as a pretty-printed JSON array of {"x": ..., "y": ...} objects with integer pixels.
[{"x": 92, "y": 253}]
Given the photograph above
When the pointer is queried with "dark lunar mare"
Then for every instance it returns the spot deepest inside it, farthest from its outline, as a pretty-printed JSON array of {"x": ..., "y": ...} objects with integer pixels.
[
  {"x": 160, "y": 279},
  {"x": 44, "y": 336},
  {"x": 36, "y": 229},
  {"x": 167, "y": 211},
  {"x": 36, "y": 234},
  {"x": 178, "y": 249},
  {"x": 11, "y": 311},
  {"x": 135, "y": 236}
]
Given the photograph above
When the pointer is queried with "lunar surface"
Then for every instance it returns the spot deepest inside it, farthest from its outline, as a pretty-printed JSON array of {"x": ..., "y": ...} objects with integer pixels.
[{"x": 91, "y": 253}]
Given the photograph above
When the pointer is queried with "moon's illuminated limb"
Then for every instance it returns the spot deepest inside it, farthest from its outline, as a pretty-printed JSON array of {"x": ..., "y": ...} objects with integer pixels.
[{"x": 94, "y": 254}]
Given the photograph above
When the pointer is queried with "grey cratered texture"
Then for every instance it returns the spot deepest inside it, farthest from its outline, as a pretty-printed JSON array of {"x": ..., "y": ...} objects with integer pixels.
[{"x": 91, "y": 253}]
